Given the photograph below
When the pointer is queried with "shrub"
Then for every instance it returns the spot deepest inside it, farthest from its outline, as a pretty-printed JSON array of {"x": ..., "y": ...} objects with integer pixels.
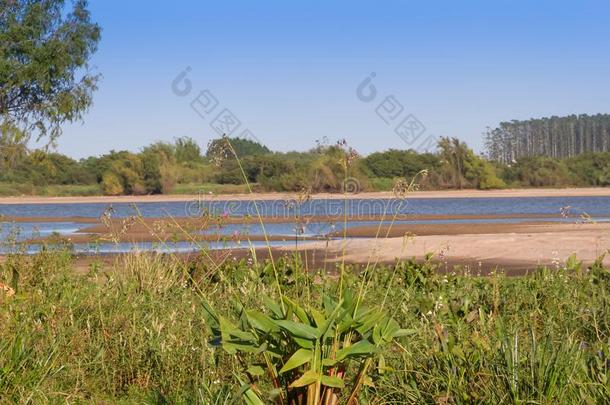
[{"x": 111, "y": 185}]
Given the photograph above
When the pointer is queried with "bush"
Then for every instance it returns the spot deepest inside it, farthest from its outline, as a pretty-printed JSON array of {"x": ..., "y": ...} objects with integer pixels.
[{"x": 111, "y": 185}]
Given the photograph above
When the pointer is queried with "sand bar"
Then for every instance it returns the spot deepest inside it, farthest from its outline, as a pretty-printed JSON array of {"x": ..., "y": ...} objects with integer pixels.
[{"x": 534, "y": 192}]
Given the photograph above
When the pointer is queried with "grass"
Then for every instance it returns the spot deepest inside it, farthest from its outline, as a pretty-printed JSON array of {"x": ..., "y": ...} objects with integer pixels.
[
  {"x": 137, "y": 331},
  {"x": 13, "y": 189},
  {"x": 210, "y": 187}
]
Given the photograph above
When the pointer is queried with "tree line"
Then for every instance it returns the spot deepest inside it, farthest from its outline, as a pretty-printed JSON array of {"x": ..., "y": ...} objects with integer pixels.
[
  {"x": 165, "y": 167},
  {"x": 556, "y": 137}
]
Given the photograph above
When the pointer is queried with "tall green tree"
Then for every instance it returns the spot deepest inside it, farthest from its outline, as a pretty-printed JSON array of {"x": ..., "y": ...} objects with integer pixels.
[
  {"x": 461, "y": 168},
  {"x": 45, "y": 46},
  {"x": 556, "y": 137},
  {"x": 187, "y": 150}
]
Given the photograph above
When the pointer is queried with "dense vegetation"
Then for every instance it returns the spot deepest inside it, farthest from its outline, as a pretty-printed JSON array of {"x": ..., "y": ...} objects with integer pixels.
[
  {"x": 141, "y": 331},
  {"x": 556, "y": 137},
  {"x": 182, "y": 167}
]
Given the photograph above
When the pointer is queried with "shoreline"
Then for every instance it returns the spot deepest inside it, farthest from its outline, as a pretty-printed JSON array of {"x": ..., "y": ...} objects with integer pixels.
[{"x": 506, "y": 193}]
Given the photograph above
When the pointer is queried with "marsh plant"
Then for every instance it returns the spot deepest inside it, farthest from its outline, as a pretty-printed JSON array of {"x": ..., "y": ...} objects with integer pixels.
[{"x": 309, "y": 355}]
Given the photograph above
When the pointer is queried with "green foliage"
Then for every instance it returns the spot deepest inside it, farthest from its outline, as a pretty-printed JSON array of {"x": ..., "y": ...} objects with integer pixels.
[
  {"x": 112, "y": 184},
  {"x": 159, "y": 168},
  {"x": 139, "y": 331},
  {"x": 44, "y": 80},
  {"x": 312, "y": 354},
  {"x": 540, "y": 172},
  {"x": 591, "y": 168},
  {"x": 460, "y": 167},
  {"x": 400, "y": 163},
  {"x": 166, "y": 168},
  {"x": 218, "y": 149},
  {"x": 187, "y": 151}
]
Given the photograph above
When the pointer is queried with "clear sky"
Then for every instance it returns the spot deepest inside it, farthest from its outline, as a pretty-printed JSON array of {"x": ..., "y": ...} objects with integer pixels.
[{"x": 289, "y": 71}]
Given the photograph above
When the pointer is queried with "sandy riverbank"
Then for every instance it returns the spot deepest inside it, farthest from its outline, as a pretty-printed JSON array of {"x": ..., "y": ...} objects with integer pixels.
[
  {"x": 514, "y": 248},
  {"x": 519, "y": 247},
  {"x": 534, "y": 192}
]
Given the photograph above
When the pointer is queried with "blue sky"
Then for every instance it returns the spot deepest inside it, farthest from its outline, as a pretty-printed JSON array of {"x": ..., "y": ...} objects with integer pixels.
[{"x": 288, "y": 71}]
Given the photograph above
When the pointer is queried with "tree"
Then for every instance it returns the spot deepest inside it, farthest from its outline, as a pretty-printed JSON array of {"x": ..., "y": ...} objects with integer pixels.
[
  {"x": 159, "y": 167},
  {"x": 556, "y": 137},
  {"x": 12, "y": 147},
  {"x": 187, "y": 151},
  {"x": 461, "y": 167},
  {"x": 44, "y": 53},
  {"x": 221, "y": 149},
  {"x": 399, "y": 163},
  {"x": 453, "y": 154}
]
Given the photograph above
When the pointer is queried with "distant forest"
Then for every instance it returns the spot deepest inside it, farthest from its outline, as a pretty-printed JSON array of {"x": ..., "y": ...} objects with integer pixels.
[{"x": 556, "y": 137}]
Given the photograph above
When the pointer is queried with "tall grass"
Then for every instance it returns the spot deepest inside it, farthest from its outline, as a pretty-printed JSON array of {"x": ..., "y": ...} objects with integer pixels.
[{"x": 136, "y": 331}]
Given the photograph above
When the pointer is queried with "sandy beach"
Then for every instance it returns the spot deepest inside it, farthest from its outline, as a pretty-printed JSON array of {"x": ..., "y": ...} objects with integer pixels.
[
  {"x": 537, "y": 192},
  {"x": 482, "y": 247}
]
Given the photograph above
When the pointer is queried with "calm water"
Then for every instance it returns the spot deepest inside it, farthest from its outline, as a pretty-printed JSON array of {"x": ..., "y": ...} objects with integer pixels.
[
  {"x": 599, "y": 206},
  {"x": 596, "y": 207}
]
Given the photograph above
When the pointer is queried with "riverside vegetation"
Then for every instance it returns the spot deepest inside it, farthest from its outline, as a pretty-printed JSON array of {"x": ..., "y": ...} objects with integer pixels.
[
  {"x": 154, "y": 328},
  {"x": 182, "y": 168}
]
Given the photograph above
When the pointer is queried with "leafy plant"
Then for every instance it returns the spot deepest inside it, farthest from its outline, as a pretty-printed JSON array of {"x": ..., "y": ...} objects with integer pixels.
[{"x": 310, "y": 355}]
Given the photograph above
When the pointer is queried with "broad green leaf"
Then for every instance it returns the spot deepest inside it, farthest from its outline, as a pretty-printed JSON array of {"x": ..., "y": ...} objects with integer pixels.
[
  {"x": 299, "y": 358},
  {"x": 250, "y": 398},
  {"x": 345, "y": 319},
  {"x": 363, "y": 347},
  {"x": 348, "y": 297},
  {"x": 273, "y": 306},
  {"x": 309, "y": 377},
  {"x": 366, "y": 320},
  {"x": 298, "y": 311},
  {"x": 377, "y": 335},
  {"x": 332, "y": 381},
  {"x": 299, "y": 330},
  {"x": 233, "y": 347},
  {"x": 248, "y": 394},
  {"x": 211, "y": 317},
  {"x": 326, "y": 329},
  {"x": 262, "y": 322},
  {"x": 329, "y": 305},
  {"x": 304, "y": 343},
  {"x": 391, "y": 327},
  {"x": 329, "y": 362},
  {"x": 229, "y": 331},
  {"x": 318, "y": 317}
]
